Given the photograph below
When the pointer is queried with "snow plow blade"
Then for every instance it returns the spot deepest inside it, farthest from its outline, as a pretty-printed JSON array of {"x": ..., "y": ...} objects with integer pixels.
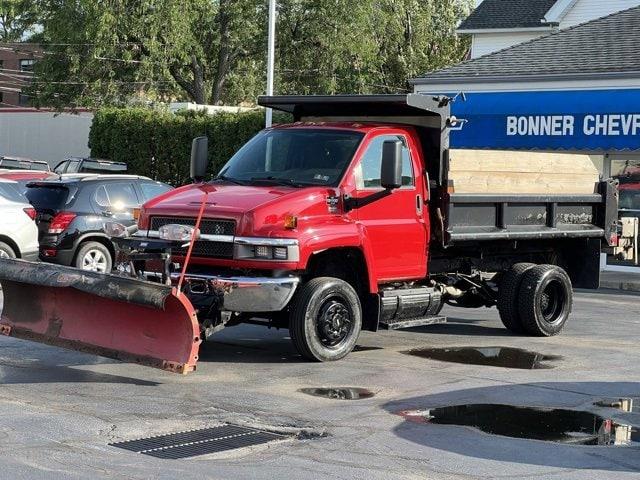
[{"x": 106, "y": 315}]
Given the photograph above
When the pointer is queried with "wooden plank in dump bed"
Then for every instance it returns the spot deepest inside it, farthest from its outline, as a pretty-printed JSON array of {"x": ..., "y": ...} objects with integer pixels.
[{"x": 511, "y": 172}]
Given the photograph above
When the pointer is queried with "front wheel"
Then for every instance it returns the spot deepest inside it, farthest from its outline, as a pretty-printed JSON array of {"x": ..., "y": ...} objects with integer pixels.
[
  {"x": 326, "y": 318},
  {"x": 545, "y": 300}
]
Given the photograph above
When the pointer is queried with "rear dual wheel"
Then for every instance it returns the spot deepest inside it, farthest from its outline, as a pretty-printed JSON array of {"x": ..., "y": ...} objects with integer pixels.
[
  {"x": 508, "y": 296},
  {"x": 535, "y": 300},
  {"x": 545, "y": 300},
  {"x": 326, "y": 318}
]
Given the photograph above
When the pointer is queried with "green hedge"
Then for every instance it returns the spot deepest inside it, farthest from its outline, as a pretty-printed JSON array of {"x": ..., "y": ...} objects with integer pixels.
[{"x": 157, "y": 144}]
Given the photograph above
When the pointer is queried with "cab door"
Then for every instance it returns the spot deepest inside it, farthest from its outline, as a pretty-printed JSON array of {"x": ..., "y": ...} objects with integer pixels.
[{"x": 396, "y": 225}]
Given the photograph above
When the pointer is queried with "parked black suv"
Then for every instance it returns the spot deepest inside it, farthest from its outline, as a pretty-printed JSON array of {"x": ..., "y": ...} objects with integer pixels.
[
  {"x": 89, "y": 165},
  {"x": 72, "y": 209}
]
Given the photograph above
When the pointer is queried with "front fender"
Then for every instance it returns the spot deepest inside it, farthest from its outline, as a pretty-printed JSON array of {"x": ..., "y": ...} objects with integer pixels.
[{"x": 326, "y": 239}]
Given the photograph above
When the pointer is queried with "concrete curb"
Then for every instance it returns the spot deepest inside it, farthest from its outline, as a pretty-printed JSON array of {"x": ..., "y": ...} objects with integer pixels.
[{"x": 633, "y": 286}]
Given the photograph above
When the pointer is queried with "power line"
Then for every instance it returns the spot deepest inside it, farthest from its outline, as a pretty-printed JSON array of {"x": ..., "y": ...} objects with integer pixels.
[
  {"x": 16, "y": 78},
  {"x": 11, "y": 70}
]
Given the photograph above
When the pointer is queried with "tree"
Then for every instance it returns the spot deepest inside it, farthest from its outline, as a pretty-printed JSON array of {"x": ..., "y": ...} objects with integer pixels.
[
  {"x": 108, "y": 52},
  {"x": 325, "y": 46},
  {"x": 369, "y": 46},
  {"x": 17, "y": 19},
  {"x": 213, "y": 51},
  {"x": 416, "y": 37}
]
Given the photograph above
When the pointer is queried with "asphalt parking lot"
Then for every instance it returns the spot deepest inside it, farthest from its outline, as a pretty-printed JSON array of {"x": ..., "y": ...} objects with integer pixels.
[{"x": 60, "y": 410}]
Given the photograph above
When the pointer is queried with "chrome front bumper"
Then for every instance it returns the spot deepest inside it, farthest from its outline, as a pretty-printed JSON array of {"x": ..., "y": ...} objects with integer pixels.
[{"x": 243, "y": 294}]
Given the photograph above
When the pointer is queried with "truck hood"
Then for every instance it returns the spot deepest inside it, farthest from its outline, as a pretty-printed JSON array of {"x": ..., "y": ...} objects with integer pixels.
[
  {"x": 230, "y": 198},
  {"x": 254, "y": 208}
]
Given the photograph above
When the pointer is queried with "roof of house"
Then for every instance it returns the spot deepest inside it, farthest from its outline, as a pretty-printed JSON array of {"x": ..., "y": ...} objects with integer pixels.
[
  {"x": 508, "y": 14},
  {"x": 607, "y": 46}
]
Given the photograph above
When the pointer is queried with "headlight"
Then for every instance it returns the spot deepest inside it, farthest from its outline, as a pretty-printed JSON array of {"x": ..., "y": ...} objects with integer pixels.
[
  {"x": 266, "y": 252},
  {"x": 118, "y": 230},
  {"x": 280, "y": 249},
  {"x": 280, "y": 253},
  {"x": 178, "y": 233},
  {"x": 263, "y": 251}
]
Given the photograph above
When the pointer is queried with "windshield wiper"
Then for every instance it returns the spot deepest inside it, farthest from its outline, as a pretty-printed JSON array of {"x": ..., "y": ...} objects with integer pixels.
[
  {"x": 229, "y": 179},
  {"x": 280, "y": 181}
]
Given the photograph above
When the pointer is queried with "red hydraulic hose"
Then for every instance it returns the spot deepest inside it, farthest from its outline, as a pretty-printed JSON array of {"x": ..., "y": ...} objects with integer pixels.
[{"x": 193, "y": 240}]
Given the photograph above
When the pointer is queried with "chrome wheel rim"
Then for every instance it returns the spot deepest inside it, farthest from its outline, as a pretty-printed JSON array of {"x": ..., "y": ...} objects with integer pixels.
[
  {"x": 4, "y": 254},
  {"x": 94, "y": 261}
]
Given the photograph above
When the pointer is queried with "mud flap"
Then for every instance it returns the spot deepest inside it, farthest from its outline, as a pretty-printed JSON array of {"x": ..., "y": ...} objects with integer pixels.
[{"x": 107, "y": 315}]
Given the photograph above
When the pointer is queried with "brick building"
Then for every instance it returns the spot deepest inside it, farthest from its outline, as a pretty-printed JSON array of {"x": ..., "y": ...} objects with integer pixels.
[{"x": 16, "y": 70}]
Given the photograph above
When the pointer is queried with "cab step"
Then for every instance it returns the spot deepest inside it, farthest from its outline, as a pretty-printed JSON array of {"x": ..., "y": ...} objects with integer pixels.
[{"x": 412, "y": 322}]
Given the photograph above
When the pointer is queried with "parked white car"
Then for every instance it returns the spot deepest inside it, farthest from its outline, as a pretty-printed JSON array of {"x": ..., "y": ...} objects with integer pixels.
[{"x": 18, "y": 230}]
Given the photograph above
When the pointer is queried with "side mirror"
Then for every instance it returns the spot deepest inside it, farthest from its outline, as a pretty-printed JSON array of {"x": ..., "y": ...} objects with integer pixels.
[
  {"x": 391, "y": 169},
  {"x": 199, "y": 158}
]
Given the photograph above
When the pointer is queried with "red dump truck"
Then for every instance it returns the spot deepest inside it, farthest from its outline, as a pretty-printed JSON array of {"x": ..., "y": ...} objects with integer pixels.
[{"x": 345, "y": 220}]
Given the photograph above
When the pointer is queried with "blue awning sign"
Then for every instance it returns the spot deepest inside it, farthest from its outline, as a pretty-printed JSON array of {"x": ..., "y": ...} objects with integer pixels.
[
  {"x": 565, "y": 125},
  {"x": 600, "y": 120}
]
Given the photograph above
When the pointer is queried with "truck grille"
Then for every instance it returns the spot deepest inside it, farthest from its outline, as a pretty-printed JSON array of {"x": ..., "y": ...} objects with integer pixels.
[
  {"x": 207, "y": 226},
  {"x": 202, "y": 248}
]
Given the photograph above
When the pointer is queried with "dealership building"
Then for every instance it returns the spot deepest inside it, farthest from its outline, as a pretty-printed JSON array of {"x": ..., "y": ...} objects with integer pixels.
[{"x": 572, "y": 90}]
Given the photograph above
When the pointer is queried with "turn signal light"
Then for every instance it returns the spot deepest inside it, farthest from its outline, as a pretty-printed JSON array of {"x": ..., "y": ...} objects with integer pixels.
[
  {"x": 60, "y": 222},
  {"x": 290, "y": 222},
  {"x": 136, "y": 214}
]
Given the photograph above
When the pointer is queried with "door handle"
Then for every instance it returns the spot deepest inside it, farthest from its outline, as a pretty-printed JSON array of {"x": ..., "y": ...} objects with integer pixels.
[{"x": 419, "y": 204}]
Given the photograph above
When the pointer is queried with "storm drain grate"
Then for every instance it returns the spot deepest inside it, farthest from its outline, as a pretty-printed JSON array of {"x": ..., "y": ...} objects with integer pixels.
[{"x": 199, "y": 442}]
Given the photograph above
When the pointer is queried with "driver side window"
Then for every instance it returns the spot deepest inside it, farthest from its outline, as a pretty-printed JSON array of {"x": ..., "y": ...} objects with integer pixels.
[{"x": 367, "y": 172}]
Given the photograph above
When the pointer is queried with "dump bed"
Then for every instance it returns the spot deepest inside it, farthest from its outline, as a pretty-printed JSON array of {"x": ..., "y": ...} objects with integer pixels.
[{"x": 509, "y": 195}]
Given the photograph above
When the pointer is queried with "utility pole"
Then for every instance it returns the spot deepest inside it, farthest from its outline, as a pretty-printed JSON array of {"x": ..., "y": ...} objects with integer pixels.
[{"x": 271, "y": 47}]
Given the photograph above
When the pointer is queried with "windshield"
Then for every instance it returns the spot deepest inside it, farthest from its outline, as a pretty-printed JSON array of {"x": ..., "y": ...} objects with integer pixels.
[{"x": 296, "y": 157}]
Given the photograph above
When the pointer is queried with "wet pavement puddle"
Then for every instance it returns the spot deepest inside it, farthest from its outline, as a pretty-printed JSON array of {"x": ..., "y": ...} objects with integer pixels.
[
  {"x": 552, "y": 425},
  {"x": 342, "y": 393},
  {"x": 506, "y": 357}
]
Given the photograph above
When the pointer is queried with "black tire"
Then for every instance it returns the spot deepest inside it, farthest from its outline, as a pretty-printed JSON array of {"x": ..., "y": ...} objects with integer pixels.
[
  {"x": 6, "y": 251},
  {"x": 86, "y": 249},
  {"x": 545, "y": 300},
  {"x": 508, "y": 296},
  {"x": 326, "y": 318}
]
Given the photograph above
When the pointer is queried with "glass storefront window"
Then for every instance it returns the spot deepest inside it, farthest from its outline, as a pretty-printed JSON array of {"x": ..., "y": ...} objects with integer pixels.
[
  {"x": 627, "y": 170},
  {"x": 628, "y": 174}
]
